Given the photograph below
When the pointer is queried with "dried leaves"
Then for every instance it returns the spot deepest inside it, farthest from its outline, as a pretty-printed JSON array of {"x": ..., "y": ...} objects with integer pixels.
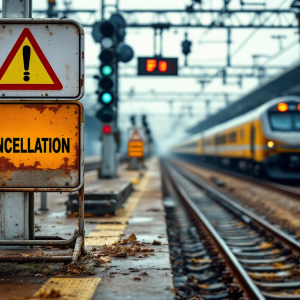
[
  {"x": 156, "y": 242},
  {"x": 200, "y": 261},
  {"x": 101, "y": 261},
  {"x": 76, "y": 270},
  {"x": 265, "y": 245},
  {"x": 118, "y": 251},
  {"x": 49, "y": 294},
  {"x": 130, "y": 240}
]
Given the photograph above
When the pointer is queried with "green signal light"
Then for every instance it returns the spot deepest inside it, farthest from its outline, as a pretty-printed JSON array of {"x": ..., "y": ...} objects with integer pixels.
[
  {"x": 106, "y": 98},
  {"x": 106, "y": 70}
]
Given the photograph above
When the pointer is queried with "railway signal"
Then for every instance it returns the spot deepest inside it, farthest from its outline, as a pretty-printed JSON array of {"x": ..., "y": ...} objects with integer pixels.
[
  {"x": 186, "y": 48},
  {"x": 132, "y": 120},
  {"x": 52, "y": 12},
  {"x": 110, "y": 34},
  {"x": 107, "y": 96}
]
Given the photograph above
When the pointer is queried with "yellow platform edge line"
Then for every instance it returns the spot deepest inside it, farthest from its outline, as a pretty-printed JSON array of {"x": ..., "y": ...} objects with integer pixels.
[
  {"x": 84, "y": 288},
  {"x": 98, "y": 238}
]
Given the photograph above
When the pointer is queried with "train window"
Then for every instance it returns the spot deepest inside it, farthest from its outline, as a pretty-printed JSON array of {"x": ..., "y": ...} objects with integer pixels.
[
  {"x": 242, "y": 134},
  {"x": 220, "y": 139},
  {"x": 207, "y": 142},
  {"x": 285, "y": 121},
  {"x": 192, "y": 145},
  {"x": 232, "y": 137},
  {"x": 297, "y": 121}
]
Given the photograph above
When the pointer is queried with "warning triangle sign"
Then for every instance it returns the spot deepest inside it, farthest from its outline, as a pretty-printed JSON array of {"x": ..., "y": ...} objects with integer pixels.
[
  {"x": 27, "y": 68},
  {"x": 136, "y": 136}
]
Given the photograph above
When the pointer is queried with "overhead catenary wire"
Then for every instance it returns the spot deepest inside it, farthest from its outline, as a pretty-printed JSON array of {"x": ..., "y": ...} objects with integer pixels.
[{"x": 247, "y": 39}]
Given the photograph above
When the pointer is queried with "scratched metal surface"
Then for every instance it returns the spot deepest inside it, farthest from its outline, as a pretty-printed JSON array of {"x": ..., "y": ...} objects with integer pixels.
[
  {"x": 41, "y": 169},
  {"x": 62, "y": 43}
]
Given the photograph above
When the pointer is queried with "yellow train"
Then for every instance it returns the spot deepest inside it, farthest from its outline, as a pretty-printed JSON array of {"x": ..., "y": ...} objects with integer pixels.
[{"x": 264, "y": 140}]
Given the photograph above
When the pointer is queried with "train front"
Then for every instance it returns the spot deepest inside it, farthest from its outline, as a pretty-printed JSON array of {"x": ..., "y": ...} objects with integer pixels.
[{"x": 281, "y": 128}]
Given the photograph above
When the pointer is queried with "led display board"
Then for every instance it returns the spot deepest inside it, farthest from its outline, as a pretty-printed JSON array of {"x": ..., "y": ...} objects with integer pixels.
[{"x": 157, "y": 66}]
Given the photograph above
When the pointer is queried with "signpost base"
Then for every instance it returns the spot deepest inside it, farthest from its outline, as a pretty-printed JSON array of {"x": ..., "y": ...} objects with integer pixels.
[
  {"x": 134, "y": 164},
  {"x": 77, "y": 240},
  {"x": 14, "y": 217}
]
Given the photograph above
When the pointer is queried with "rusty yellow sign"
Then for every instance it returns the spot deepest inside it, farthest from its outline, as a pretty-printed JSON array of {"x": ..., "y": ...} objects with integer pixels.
[
  {"x": 135, "y": 149},
  {"x": 41, "y": 146}
]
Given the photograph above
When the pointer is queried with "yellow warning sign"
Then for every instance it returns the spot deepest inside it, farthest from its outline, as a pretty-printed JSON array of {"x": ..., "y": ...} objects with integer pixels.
[
  {"x": 27, "y": 68},
  {"x": 135, "y": 149},
  {"x": 40, "y": 145},
  {"x": 20, "y": 65},
  {"x": 135, "y": 136}
]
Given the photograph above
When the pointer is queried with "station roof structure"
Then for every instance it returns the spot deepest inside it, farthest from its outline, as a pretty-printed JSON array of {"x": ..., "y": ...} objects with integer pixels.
[{"x": 286, "y": 83}]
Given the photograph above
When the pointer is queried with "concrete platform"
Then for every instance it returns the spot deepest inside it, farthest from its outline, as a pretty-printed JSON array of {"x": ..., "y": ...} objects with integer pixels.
[{"x": 142, "y": 275}]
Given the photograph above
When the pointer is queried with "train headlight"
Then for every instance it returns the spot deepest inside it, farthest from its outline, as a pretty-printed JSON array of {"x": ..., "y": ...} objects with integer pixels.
[
  {"x": 282, "y": 107},
  {"x": 271, "y": 145}
]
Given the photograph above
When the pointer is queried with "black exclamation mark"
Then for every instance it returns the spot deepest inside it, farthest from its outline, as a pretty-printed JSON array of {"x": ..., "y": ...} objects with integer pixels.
[{"x": 26, "y": 60}]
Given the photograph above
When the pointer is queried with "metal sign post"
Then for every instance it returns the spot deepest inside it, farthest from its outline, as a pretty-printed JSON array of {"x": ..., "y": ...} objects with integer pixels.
[
  {"x": 15, "y": 204},
  {"x": 41, "y": 140}
]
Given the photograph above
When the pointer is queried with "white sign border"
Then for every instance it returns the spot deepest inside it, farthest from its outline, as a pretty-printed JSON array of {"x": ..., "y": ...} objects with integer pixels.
[{"x": 81, "y": 53}]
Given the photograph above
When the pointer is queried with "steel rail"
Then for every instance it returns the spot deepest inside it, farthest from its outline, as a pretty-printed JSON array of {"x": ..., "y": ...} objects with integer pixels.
[
  {"x": 237, "y": 209},
  {"x": 248, "y": 285},
  {"x": 292, "y": 191}
]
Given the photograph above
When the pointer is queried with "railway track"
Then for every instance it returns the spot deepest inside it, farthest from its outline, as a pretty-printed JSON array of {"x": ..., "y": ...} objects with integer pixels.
[
  {"x": 289, "y": 190},
  {"x": 264, "y": 260}
]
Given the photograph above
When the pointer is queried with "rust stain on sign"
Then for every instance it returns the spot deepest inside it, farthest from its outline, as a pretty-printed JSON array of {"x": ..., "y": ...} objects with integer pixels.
[
  {"x": 40, "y": 145},
  {"x": 7, "y": 165},
  {"x": 41, "y": 107},
  {"x": 82, "y": 80}
]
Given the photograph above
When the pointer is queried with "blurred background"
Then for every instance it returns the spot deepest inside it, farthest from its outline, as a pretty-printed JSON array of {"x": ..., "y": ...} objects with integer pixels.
[{"x": 231, "y": 55}]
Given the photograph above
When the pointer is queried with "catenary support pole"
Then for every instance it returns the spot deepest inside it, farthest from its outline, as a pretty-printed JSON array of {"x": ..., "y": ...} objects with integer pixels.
[{"x": 15, "y": 207}]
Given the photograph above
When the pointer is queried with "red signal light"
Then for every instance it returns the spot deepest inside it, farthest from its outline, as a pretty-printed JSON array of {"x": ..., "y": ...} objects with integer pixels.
[
  {"x": 298, "y": 106},
  {"x": 162, "y": 66},
  {"x": 106, "y": 129},
  {"x": 151, "y": 65},
  {"x": 282, "y": 107}
]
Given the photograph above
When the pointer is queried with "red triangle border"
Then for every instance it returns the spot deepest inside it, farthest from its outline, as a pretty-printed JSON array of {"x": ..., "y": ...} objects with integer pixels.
[
  {"x": 136, "y": 132},
  {"x": 56, "y": 86}
]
